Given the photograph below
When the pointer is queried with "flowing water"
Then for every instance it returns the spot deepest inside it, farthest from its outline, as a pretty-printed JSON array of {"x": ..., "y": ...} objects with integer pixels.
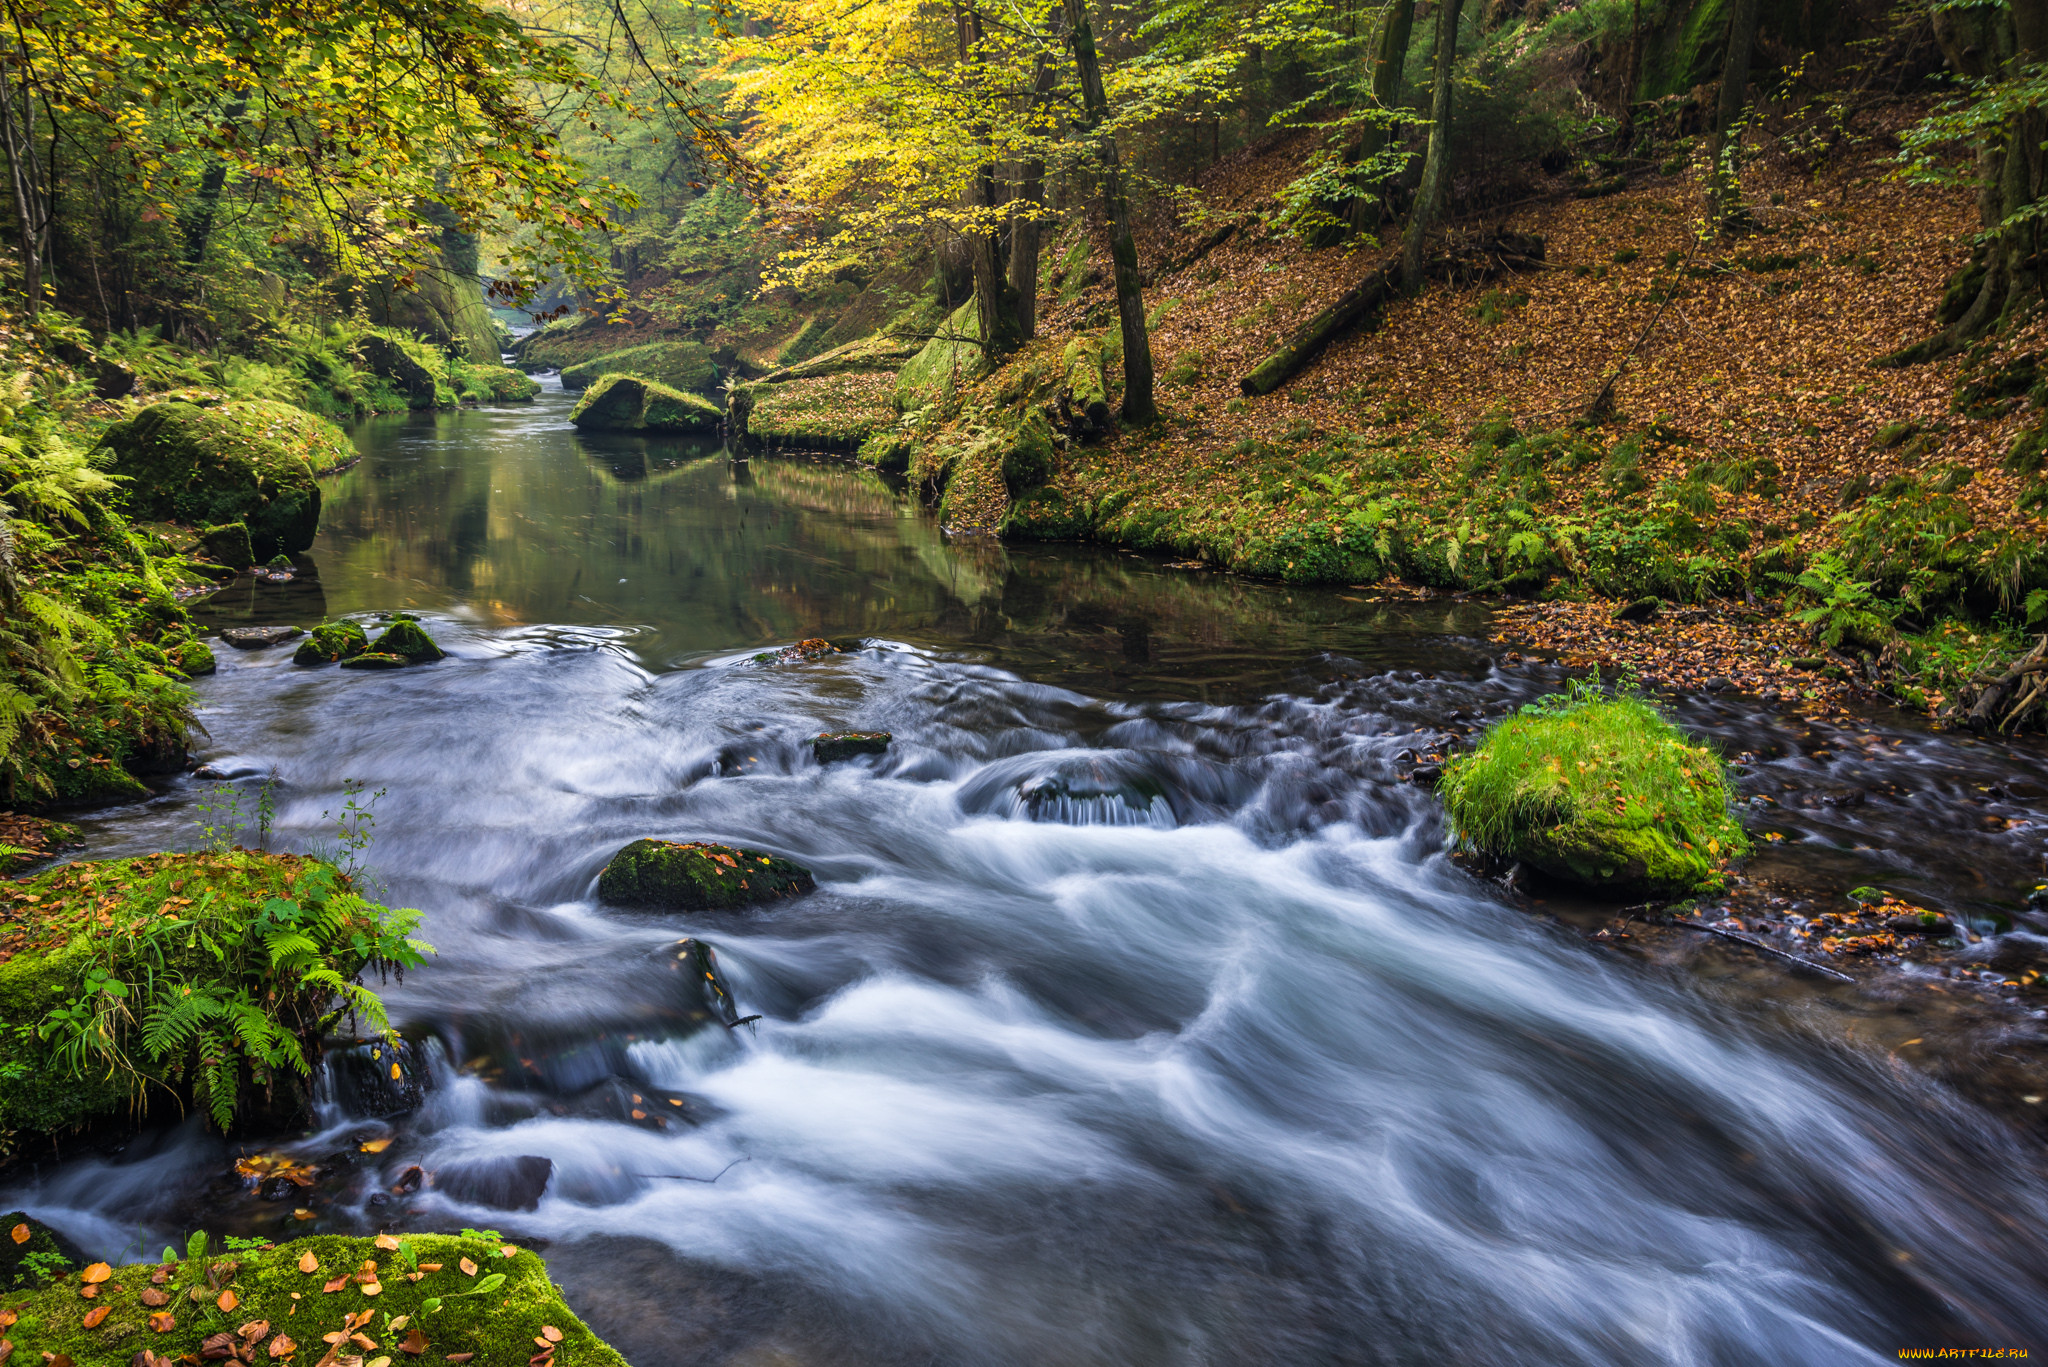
[{"x": 1139, "y": 1017}]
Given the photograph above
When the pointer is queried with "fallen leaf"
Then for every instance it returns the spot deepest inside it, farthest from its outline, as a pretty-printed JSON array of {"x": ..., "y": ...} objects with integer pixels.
[
  {"x": 550, "y": 1333},
  {"x": 544, "y": 1358},
  {"x": 430, "y": 1267},
  {"x": 414, "y": 1276},
  {"x": 96, "y": 1314},
  {"x": 153, "y": 1298},
  {"x": 378, "y": 1362},
  {"x": 414, "y": 1343},
  {"x": 217, "y": 1347},
  {"x": 468, "y": 1267},
  {"x": 88, "y": 1291},
  {"x": 282, "y": 1346},
  {"x": 254, "y": 1329},
  {"x": 160, "y": 1276},
  {"x": 228, "y": 1301},
  {"x": 7, "y": 1350},
  {"x": 337, "y": 1283},
  {"x": 7, "y": 1318},
  {"x": 302, "y": 1213},
  {"x": 308, "y": 1263},
  {"x": 399, "y": 1323},
  {"x": 507, "y": 1251},
  {"x": 373, "y": 1289},
  {"x": 162, "y": 1322},
  {"x": 21, "y": 1233},
  {"x": 95, "y": 1274},
  {"x": 363, "y": 1341},
  {"x": 375, "y": 1145},
  {"x": 386, "y": 1242},
  {"x": 460, "y": 1357}
]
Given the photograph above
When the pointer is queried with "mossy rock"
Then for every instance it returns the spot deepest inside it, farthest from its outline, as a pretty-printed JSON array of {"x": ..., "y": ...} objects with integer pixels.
[
  {"x": 498, "y": 1315},
  {"x": 32, "y": 1254},
  {"x": 949, "y": 360},
  {"x": 407, "y": 639},
  {"x": 838, "y": 745},
  {"x": 244, "y": 462},
  {"x": 413, "y": 368},
  {"x": 331, "y": 641},
  {"x": 138, "y": 922},
  {"x": 687, "y": 366},
  {"x": 1600, "y": 792},
  {"x": 494, "y": 384},
  {"x": 375, "y": 659},
  {"x": 627, "y": 403},
  {"x": 229, "y": 544},
  {"x": 193, "y": 658},
  {"x": 698, "y": 876},
  {"x": 1046, "y": 514}
]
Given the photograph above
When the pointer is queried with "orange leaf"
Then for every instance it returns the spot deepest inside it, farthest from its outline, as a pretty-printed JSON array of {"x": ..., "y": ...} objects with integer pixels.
[
  {"x": 228, "y": 1301},
  {"x": 308, "y": 1263},
  {"x": 414, "y": 1343},
  {"x": 282, "y": 1346},
  {"x": 468, "y": 1267},
  {"x": 96, "y": 1314},
  {"x": 375, "y": 1145},
  {"x": 550, "y": 1333},
  {"x": 162, "y": 1322},
  {"x": 21, "y": 1233},
  {"x": 96, "y": 1274},
  {"x": 336, "y": 1284}
]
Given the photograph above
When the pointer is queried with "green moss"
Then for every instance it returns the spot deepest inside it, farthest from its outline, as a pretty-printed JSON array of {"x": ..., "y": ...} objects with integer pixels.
[
  {"x": 497, "y": 1314},
  {"x": 414, "y": 369},
  {"x": 96, "y": 949},
  {"x": 408, "y": 639},
  {"x": 1599, "y": 791},
  {"x": 834, "y": 411},
  {"x": 493, "y": 384},
  {"x": 229, "y": 544},
  {"x": 949, "y": 360},
  {"x": 250, "y": 462},
  {"x": 375, "y": 659},
  {"x": 331, "y": 641},
  {"x": 33, "y": 1262},
  {"x": 687, "y": 366},
  {"x": 193, "y": 658},
  {"x": 627, "y": 403},
  {"x": 697, "y": 876}
]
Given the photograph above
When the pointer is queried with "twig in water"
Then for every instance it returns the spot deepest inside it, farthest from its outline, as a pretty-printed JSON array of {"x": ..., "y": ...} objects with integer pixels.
[
  {"x": 1755, "y": 943},
  {"x": 685, "y": 1177},
  {"x": 743, "y": 1020}
]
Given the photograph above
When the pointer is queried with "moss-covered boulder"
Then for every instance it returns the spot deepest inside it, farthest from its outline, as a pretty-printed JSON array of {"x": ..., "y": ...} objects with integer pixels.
[
  {"x": 428, "y": 1298},
  {"x": 627, "y": 403},
  {"x": 250, "y": 462},
  {"x": 375, "y": 659},
  {"x": 493, "y": 384},
  {"x": 1597, "y": 791},
  {"x": 406, "y": 638},
  {"x": 948, "y": 361},
  {"x": 687, "y": 366},
  {"x": 228, "y": 544},
  {"x": 214, "y": 948},
  {"x": 835, "y": 411},
  {"x": 698, "y": 876},
  {"x": 408, "y": 365},
  {"x": 833, "y": 746},
  {"x": 193, "y": 658},
  {"x": 331, "y": 641},
  {"x": 1084, "y": 391}
]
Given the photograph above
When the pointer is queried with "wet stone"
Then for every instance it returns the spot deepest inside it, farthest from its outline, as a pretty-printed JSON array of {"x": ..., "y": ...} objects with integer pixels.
[
  {"x": 515, "y": 1183},
  {"x": 376, "y": 659},
  {"x": 698, "y": 876},
  {"x": 257, "y": 638},
  {"x": 838, "y": 745}
]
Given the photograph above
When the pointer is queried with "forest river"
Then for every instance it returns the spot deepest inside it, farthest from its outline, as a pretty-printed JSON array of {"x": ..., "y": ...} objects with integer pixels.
[{"x": 1139, "y": 1018}]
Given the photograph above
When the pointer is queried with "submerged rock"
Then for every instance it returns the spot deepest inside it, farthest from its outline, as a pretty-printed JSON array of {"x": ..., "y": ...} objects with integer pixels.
[
  {"x": 500, "y": 1183},
  {"x": 257, "y": 638},
  {"x": 375, "y": 659},
  {"x": 406, "y": 638},
  {"x": 698, "y": 876},
  {"x": 250, "y": 462},
  {"x": 811, "y": 648},
  {"x": 331, "y": 641},
  {"x": 838, "y": 745}
]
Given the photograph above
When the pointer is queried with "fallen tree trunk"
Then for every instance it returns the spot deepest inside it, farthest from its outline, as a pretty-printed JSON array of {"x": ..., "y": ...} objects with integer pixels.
[
  {"x": 1467, "y": 266},
  {"x": 2001, "y": 703}
]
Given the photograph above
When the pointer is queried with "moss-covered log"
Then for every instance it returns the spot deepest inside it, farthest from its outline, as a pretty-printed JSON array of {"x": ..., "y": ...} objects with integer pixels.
[
  {"x": 1362, "y": 299},
  {"x": 412, "y": 1298}
]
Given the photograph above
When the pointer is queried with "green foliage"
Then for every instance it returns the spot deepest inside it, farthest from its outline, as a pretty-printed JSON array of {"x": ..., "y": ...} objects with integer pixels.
[
  {"x": 1843, "y": 612},
  {"x": 1599, "y": 789},
  {"x": 218, "y": 970}
]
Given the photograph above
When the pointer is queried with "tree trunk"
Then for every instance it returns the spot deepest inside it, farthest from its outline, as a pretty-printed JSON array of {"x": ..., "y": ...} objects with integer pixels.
[
  {"x": 1429, "y": 199},
  {"x": 1026, "y": 204},
  {"x": 31, "y": 210},
  {"x": 1123, "y": 248},
  {"x": 1625, "y": 133},
  {"x": 994, "y": 306},
  {"x": 2003, "y": 282},
  {"x": 1389, "y": 82},
  {"x": 1723, "y": 189},
  {"x": 1306, "y": 340}
]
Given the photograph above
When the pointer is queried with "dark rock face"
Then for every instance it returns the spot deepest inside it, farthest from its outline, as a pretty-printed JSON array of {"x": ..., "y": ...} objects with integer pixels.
[
  {"x": 331, "y": 641},
  {"x": 257, "y": 638},
  {"x": 838, "y": 745},
  {"x": 42, "y": 1247},
  {"x": 698, "y": 876},
  {"x": 500, "y": 1183}
]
